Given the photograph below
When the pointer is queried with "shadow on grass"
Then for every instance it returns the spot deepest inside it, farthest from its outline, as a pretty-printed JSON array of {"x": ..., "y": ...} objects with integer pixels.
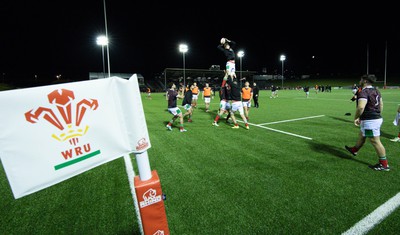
[
  {"x": 389, "y": 136},
  {"x": 341, "y": 119},
  {"x": 334, "y": 151}
]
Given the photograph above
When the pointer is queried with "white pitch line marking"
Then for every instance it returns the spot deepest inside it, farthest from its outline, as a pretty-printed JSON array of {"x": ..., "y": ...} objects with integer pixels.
[
  {"x": 283, "y": 132},
  {"x": 377, "y": 216},
  {"x": 292, "y": 120}
]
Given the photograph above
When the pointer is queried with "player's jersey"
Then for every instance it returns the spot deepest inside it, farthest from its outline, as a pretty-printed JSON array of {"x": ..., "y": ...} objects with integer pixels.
[
  {"x": 172, "y": 97},
  {"x": 229, "y": 53},
  {"x": 207, "y": 91},
  {"x": 188, "y": 98},
  {"x": 195, "y": 90},
  {"x": 224, "y": 93},
  {"x": 372, "y": 108},
  {"x": 235, "y": 90},
  {"x": 246, "y": 93}
]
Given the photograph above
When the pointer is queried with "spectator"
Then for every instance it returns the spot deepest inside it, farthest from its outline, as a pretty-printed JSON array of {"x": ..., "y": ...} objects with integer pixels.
[{"x": 255, "y": 95}]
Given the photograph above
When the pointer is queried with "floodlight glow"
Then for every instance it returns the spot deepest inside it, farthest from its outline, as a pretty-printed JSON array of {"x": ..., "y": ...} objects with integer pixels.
[
  {"x": 102, "y": 40},
  {"x": 183, "y": 48}
]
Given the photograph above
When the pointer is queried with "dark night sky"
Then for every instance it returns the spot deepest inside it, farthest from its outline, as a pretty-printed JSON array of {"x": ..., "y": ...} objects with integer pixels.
[{"x": 59, "y": 37}]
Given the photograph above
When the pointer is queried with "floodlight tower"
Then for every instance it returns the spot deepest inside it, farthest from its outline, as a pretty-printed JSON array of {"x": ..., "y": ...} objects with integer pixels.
[
  {"x": 282, "y": 58},
  {"x": 183, "y": 48}
]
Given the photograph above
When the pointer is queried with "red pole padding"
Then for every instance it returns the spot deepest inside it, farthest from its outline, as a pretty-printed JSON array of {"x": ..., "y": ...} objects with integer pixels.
[{"x": 151, "y": 205}]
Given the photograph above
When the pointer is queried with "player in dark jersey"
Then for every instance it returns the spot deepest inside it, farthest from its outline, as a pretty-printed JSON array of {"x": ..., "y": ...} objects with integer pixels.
[
  {"x": 187, "y": 103},
  {"x": 274, "y": 92},
  {"x": 307, "y": 91},
  {"x": 236, "y": 101},
  {"x": 355, "y": 90},
  {"x": 256, "y": 91},
  {"x": 224, "y": 105},
  {"x": 226, "y": 46},
  {"x": 368, "y": 118},
  {"x": 172, "y": 95}
]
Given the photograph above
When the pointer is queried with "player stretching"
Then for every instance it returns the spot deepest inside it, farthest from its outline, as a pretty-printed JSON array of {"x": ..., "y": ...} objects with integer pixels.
[
  {"x": 187, "y": 104},
  {"x": 172, "y": 96}
]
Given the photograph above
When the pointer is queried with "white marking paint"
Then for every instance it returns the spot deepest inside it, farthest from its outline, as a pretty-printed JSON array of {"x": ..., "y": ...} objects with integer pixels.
[
  {"x": 292, "y": 120},
  {"x": 377, "y": 216}
]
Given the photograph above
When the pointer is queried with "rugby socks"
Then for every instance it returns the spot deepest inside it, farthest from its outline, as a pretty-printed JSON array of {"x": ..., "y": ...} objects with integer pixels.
[
  {"x": 224, "y": 80},
  {"x": 354, "y": 149},
  {"x": 223, "y": 83},
  {"x": 383, "y": 161},
  {"x": 216, "y": 118}
]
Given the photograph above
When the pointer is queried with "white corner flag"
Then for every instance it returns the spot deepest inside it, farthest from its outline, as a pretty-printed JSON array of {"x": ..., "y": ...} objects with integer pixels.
[{"x": 52, "y": 133}]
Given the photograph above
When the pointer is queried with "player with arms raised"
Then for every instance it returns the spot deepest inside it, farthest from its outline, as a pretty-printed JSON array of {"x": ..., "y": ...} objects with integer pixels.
[{"x": 226, "y": 47}]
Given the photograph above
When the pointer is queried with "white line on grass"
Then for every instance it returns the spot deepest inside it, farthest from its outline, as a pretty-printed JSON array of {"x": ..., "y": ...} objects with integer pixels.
[
  {"x": 284, "y": 132},
  {"x": 379, "y": 214},
  {"x": 131, "y": 175},
  {"x": 291, "y": 120}
]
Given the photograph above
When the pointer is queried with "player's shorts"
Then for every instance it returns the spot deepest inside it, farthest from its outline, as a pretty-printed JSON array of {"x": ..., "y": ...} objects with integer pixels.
[
  {"x": 228, "y": 106},
  {"x": 207, "y": 99},
  {"x": 237, "y": 106},
  {"x": 174, "y": 111},
  {"x": 195, "y": 97},
  {"x": 187, "y": 106},
  {"x": 222, "y": 104},
  {"x": 225, "y": 105},
  {"x": 230, "y": 67},
  {"x": 371, "y": 128},
  {"x": 247, "y": 104}
]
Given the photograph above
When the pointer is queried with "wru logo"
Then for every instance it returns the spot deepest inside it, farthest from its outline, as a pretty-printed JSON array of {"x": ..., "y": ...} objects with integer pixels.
[{"x": 70, "y": 127}]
